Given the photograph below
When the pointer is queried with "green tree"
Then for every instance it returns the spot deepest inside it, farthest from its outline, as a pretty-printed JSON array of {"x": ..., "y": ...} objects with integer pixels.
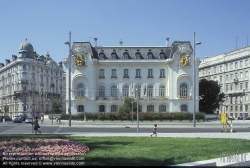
[
  {"x": 56, "y": 108},
  {"x": 210, "y": 96},
  {"x": 126, "y": 107}
]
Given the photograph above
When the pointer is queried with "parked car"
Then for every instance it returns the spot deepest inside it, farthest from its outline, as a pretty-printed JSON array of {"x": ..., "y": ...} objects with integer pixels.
[
  {"x": 231, "y": 118},
  {"x": 17, "y": 119},
  {"x": 28, "y": 120},
  {"x": 7, "y": 118},
  {"x": 247, "y": 118},
  {"x": 23, "y": 116},
  {"x": 240, "y": 118}
]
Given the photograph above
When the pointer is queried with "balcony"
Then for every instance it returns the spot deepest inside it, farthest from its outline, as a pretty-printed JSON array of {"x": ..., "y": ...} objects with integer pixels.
[
  {"x": 81, "y": 97},
  {"x": 101, "y": 98},
  {"x": 236, "y": 80},
  {"x": 184, "y": 97},
  {"x": 24, "y": 81},
  {"x": 126, "y": 76}
]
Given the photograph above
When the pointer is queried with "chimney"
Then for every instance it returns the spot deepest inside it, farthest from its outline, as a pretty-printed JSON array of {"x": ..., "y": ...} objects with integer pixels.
[
  {"x": 167, "y": 41},
  {"x": 121, "y": 42},
  {"x": 95, "y": 41}
]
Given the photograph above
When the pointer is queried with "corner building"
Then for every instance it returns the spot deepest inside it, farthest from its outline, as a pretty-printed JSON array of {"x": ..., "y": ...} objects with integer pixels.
[
  {"x": 30, "y": 83},
  {"x": 160, "y": 76},
  {"x": 231, "y": 71}
]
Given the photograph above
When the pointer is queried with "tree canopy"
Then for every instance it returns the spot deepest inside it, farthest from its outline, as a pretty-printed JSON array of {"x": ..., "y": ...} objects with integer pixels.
[{"x": 210, "y": 96}]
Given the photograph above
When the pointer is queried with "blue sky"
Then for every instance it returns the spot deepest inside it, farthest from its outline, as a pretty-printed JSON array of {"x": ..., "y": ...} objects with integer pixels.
[{"x": 46, "y": 24}]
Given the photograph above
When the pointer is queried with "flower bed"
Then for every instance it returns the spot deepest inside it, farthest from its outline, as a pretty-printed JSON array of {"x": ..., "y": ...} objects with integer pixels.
[{"x": 43, "y": 146}]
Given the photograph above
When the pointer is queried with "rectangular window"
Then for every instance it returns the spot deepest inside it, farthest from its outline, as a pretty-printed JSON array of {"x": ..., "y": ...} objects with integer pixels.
[
  {"x": 246, "y": 107},
  {"x": 101, "y": 75},
  {"x": 231, "y": 66},
  {"x": 125, "y": 73},
  {"x": 231, "y": 77},
  {"x": 150, "y": 73},
  {"x": 246, "y": 74},
  {"x": 241, "y": 75},
  {"x": 236, "y": 108},
  {"x": 138, "y": 73},
  {"x": 246, "y": 86},
  {"x": 236, "y": 64},
  {"x": 226, "y": 77},
  {"x": 220, "y": 79},
  {"x": 113, "y": 73},
  {"x": 220, "y": 68},
  {"x": 226, "y": 66},
  {"x": 226, "y": 88},
  {"x": 241, "y": 64},
  {"x": 241, "y": 86},
  {"x": 162, "y": 73},
  {"x": 246, "y": 62},
  {"x": 236, "y": 86},
  {"x": 231, "y": 108},
  {"x": 214, "y": 69}
]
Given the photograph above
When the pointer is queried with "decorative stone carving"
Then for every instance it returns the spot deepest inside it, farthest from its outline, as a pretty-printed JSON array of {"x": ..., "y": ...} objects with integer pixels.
[{"x": 80, "y": 60}]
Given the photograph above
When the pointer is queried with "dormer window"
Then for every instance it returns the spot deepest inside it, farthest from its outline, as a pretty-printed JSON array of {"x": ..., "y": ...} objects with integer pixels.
[
  {"x": 137, "y": 56},
  {"x": 150, "y": 56},
  {"x": 162, "y": 56},
  {"x": 113, "y": 56},
  {"x": 125, "y": 56},
  {"x": 101, "y": 56}
]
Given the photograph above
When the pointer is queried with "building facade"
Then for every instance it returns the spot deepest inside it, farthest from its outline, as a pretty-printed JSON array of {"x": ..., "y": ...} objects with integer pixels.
[
  {"x": 161, "y": 77},
  {"x": 30, "y": 83},
  {"x": 231, "y": 70}
]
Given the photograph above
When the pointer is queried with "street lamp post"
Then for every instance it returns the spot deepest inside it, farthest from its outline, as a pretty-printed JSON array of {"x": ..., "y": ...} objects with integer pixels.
[
  {"x": 137, "y": 109},
  {"x": 132, "y": 111},
  {"x": 69, "y": 65},
  {"x": 194, "y": 82},
  {"x": 32, "y": 125}
]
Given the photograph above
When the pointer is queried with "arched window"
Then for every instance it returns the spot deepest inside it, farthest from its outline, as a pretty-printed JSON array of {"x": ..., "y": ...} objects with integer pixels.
[
  {"x": 137, "y": 56},
  {"x": 162, "y": 91},
  {"x": 114, "y": 91},
  {"x": 162, "y": 56},
  {"x": 149, "y": 91},
  {"x": 183, "y": 90},
  {"x": 150, "y": 56},
  {"x": 125, "y": 90},
  {"x": 150, "y": 108},
  {"x": 184, "y": 107},
  {"x": 102, "y": 91},
  {"x": 80, "y": 90},
  {"x": 113, "y": 56},
  {"x": 114, "y": 108},
  {"x": 125, "y": 56},
  {"x": 101, "y": 108},
  {"x": 101, "y": 56},
  {"x": 80, "y": 108},
  {"x": 162, "y": 108}
]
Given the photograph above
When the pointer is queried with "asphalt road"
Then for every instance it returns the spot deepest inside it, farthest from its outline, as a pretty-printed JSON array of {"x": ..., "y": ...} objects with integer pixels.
[{"x": 48, "y": 128}]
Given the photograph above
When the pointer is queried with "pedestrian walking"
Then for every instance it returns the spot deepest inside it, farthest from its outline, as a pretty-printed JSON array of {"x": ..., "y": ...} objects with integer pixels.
[
  {"x": 42, "y": 118},
  {"x": 154, "y": 130},
  {"x": 36, "y": 126}
]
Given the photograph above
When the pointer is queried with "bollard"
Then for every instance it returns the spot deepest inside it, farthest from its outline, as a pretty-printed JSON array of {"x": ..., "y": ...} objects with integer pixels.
[
  {"x": 59, "y": 120},
  {"x": 3, "y": 120}
]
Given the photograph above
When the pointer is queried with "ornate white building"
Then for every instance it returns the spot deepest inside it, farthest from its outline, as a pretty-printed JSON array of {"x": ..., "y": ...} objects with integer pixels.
[
  {"x": 101, "y": 77},
  {"x": 30, "y": 83},
  {"x": 231, "y": 70}
]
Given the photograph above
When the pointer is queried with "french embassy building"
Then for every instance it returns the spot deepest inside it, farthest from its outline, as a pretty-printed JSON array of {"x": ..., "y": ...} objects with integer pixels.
[{"x": 161, "y": 77}]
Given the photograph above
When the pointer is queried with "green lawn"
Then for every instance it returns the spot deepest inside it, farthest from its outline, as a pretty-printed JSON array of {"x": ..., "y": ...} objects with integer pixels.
[{"x": 152, "y": 151}]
